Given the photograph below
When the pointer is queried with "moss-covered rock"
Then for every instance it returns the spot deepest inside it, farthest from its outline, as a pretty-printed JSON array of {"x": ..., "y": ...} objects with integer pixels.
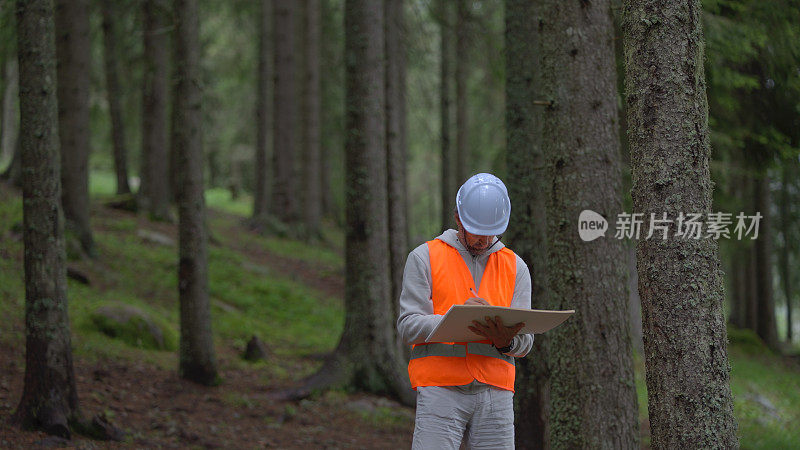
[{"x": 133, "y": 326}]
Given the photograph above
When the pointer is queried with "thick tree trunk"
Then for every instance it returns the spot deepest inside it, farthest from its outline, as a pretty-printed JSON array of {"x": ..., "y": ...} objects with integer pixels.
[
  {"x": 9, "y": 127},
  {"x": 114, "y": 94},
  {"x": 462, "y": 66},
  {"x": 593, "y": 398},
  {"x": 284, "y": 188},
  {"x": 365, "y": 357},
  {"x": 765, "y": 324},
  {"x": 197, "y": 359},
  {"x": 445, "y": 107},
  {"x": 73, "y": 52},
  {"x": 155, "y": 191},
  {"x": 312, "y": 208},
  {"x": 396, "y": 153},
  {"x": 527, "y": 231},
  {"x": 261, "y": 197},
  {"x": 680, "y": 281},
  {"x": 49, "y": 398}
]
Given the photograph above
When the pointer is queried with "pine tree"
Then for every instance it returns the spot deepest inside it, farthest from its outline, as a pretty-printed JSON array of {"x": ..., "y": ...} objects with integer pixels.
[{"x": 680, "y": 281}]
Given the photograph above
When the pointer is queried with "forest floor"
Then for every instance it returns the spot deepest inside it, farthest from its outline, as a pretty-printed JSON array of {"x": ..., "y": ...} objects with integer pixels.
[
  {"x": 289, "y": 294},
  {"x": 139, "y": 390}
]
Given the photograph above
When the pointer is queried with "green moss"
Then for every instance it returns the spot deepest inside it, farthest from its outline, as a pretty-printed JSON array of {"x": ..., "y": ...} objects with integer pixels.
[{"x": 136, "y": 330}]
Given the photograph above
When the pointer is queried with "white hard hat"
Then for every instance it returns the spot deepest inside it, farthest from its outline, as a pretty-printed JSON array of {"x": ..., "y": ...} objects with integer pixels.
[{"x": 483, "y": 205}]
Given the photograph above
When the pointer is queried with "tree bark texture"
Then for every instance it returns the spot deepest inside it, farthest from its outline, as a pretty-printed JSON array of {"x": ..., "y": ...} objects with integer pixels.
[
  {"x": 680, "y": 281},
  {"x": 462, "y": 67},
  {"x": 73, "y": 52},
  {"x": 197, "y": 359},
  {"x": 49, "y": 398},
  {"x": 155, "y": 191},
  {"x": 284, "y": 188},
  {"x": 311, "y": 102},
  {"x": 527, "y": 230},
  {"x": 765, "y": 323},
  {"x": 261, "y": 198},
  {"x": 445, "y": 106},
  {"x": 114, "y": 94},
  {"x": 593, "y": 398},
  {"x": 365, "y": 357},
  {"x": 396, "y": 152}
]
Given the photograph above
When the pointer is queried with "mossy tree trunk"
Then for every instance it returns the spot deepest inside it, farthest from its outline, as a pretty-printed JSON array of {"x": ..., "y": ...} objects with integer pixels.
[
  {"x": 261, "y": 196},
  {"x": 311, "y": 102},
  {"x": 527, "y": 229},
  {"x": 448, "y": 169},
  {"x": 462, "y": 117},
  {"x": 366, "y": 357},
  {"x": 680, "y": 281},
  {"x": 286, "y": 103},
  {"x": 49, "y": 398},
  {"x": 74, "y": 64},
  {"x": 592, "y": 395},
  {"x": 155, "y": 190},
  {"x": 114, "y": 96},
  {"x": 396, "y": 152},
  {"x": 197, "y": 358}
]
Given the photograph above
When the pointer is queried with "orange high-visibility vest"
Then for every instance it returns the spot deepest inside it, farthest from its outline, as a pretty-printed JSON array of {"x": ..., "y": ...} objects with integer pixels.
[{"x": 458, "y": 363}]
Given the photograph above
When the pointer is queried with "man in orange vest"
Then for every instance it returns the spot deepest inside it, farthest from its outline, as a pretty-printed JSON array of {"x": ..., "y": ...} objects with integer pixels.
[{"x": 465, "y": 390}]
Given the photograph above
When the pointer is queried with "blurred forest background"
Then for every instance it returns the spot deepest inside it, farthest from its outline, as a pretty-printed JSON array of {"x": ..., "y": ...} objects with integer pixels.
[{"x": 272, "y": 84}]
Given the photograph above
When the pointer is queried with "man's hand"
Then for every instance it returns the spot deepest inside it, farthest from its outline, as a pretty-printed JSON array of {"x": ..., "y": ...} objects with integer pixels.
[
  {"x": 477, "y": 301},
  {"x": 495, "y": 331}
]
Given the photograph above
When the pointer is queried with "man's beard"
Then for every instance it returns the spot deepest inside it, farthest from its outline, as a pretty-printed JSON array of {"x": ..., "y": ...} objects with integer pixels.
[{"x": 474, "y": 251}]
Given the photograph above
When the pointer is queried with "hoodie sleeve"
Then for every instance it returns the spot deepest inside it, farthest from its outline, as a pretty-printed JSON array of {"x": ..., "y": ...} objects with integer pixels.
[
  {"x": 416, "y": 319},
  {"x": 522, "y": 343}
]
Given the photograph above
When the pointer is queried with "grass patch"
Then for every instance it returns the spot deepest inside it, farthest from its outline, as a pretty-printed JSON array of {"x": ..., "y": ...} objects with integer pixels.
[{"x": 288, "y": 316}]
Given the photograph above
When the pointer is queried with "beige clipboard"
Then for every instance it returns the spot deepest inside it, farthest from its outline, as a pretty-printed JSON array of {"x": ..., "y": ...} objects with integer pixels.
[{"x": 453, "y": 326}]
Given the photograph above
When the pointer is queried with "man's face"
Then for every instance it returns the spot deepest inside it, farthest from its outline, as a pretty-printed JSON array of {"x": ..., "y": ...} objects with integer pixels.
[{"x": 475, "y": 243}]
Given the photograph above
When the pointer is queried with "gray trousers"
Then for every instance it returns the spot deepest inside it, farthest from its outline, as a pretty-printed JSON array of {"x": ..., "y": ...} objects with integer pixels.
[{"x": 483, "y": 418}]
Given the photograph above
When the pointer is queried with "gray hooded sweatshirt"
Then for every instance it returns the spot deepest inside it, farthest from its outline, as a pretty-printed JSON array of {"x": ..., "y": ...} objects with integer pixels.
[{"x": 417, "y": 320}]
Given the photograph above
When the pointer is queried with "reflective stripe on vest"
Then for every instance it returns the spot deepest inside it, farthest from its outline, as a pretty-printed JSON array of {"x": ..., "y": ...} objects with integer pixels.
[
  {"x": 458, "y": 350},
  {"x": 453, "y": 364}
]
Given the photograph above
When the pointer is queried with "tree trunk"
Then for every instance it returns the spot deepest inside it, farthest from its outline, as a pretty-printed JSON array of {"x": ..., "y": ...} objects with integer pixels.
[
  {"x": 593, "y": 398},
  {"x": 445, "y": 101},
  {"x": 765, "y": 324},
  {"x": 261, "y": 197},
  {"x": 49, "y": 398},
  {"x": 114, "y": 94},
  {"x": 284, "y": 188},
  {"x": 680, "y": 281},
  {"x": 462, "y": 65},
  {"x": 784, "y": 255},
  {"x": 155, "y": 190},
  {"x": 9, "y": 127},
  {"x": 197, "y": 359},
  {"x": 396, "y": 153},
  {"x": 365, "y": 358},
  {"x": 311, "y": 119},
  {"x": 527, "y": 231},
  {"x": 73, "y": 52},
  {"x": 751, "y": 303}
]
